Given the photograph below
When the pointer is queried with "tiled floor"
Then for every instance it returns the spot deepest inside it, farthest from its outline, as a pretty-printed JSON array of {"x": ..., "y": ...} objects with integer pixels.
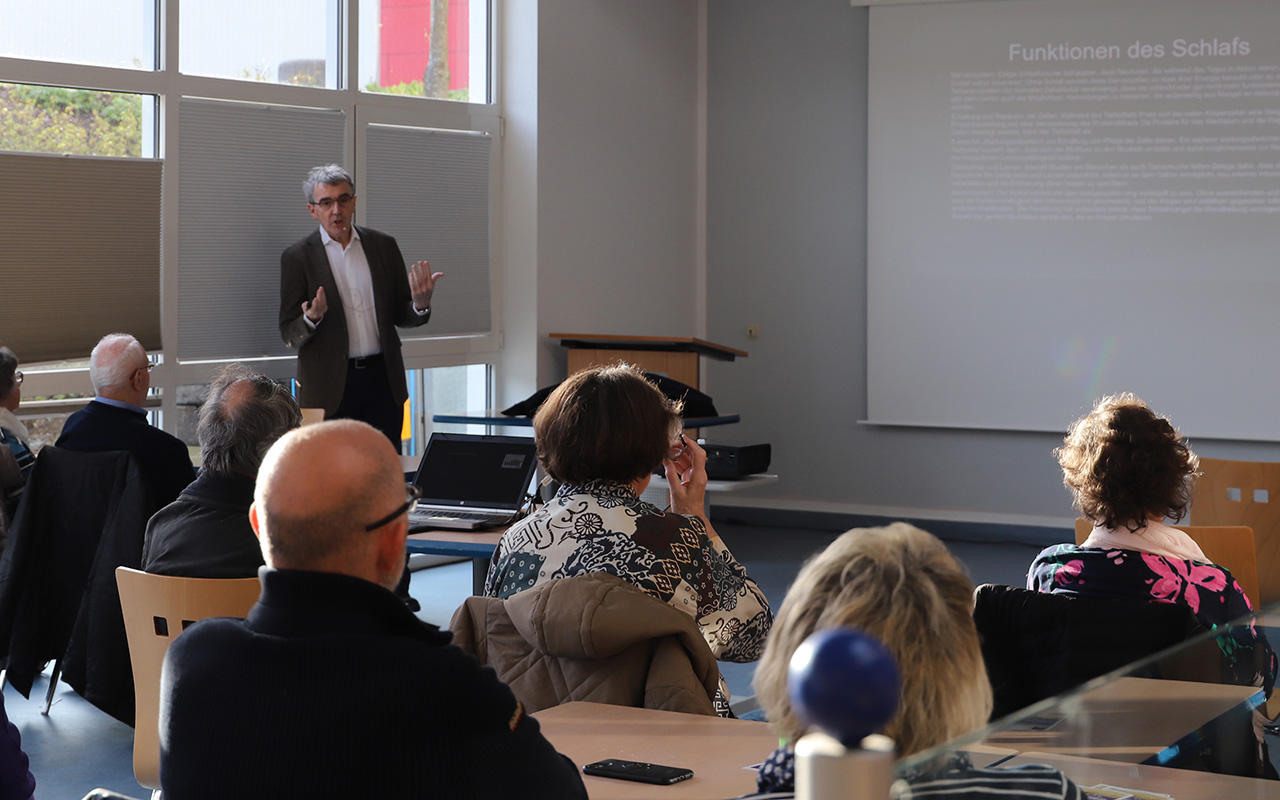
[{"x": 77, "y": 748}]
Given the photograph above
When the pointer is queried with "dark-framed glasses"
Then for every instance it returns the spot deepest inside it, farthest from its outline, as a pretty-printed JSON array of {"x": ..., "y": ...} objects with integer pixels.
[
  {"x": 413, "y": 493},
  {"x": 327, "y": 202},
  {"x": 17, "y": 377}
]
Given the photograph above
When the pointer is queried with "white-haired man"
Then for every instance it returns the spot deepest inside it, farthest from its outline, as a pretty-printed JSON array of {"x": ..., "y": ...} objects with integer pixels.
[{"x": 115, "y": 420}]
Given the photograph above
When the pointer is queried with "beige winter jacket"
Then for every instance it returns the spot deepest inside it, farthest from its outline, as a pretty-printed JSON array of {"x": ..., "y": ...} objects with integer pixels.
[{"x": 592, "y": 637}]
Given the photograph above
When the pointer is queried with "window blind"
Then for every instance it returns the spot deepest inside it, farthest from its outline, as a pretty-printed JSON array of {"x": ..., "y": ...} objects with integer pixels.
[
  {"x": 241, "y": 204},
  {"x": 430, "y": 189},
  {"x": 84, "y": 260}
]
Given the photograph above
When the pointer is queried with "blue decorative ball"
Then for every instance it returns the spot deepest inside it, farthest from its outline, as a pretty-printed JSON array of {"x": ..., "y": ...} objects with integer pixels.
[{"x": 844, "y": 682}]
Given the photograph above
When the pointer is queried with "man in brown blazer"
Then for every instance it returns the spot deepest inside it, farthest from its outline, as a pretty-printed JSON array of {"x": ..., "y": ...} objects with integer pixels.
[{"x": 343, "y": 292}]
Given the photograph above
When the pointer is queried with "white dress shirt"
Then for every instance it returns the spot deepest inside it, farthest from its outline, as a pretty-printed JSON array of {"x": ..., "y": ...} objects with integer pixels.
[{"x": 355, "y": 285}]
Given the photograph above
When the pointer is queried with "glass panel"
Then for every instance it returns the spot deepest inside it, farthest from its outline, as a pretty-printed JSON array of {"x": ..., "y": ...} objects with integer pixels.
[
  {"x": 282, "y": 41},
  {"x": 54, "y": 119},
  {"x": 112, "y": 34},
  {"x": 1189, "y": 722},
  {"x": 426, "y": 48},
  {"x": 444, "y": 390}
]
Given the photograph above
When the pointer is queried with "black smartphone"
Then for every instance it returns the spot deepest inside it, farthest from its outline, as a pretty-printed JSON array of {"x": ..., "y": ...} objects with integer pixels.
[{"x": 638, "y": 771}]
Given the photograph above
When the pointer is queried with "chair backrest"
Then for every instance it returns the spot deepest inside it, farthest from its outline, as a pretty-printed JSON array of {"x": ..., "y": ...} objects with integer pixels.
[
  {"x": 1229, "y": 546},
  {"x": 156, "y": 609},
  {"x": 1239, "y": 493},
  {"x": 1038, "y": 645}
]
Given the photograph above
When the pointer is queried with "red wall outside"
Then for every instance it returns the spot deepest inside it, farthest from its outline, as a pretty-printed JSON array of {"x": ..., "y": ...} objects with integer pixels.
[{"x": 403, "y": 46}]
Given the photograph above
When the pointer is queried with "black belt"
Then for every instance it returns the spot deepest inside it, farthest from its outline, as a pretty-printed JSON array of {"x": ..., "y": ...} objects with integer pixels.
[{"x": 364, "y": 362}]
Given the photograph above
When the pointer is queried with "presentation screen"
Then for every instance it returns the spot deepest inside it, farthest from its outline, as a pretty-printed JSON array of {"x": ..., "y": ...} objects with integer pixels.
[{"x": 1070, "y": 198}]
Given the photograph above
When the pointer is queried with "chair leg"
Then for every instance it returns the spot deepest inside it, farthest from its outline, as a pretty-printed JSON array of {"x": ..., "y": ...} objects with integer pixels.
[{"x": 53, "y": 686}]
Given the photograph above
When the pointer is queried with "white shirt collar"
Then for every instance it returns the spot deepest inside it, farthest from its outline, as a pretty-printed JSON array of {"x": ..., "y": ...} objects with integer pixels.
[{"x": 325, "y": 238}]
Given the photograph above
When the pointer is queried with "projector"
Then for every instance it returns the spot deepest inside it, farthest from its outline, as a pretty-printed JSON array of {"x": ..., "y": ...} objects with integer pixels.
[{"x": 727, "y": 462}]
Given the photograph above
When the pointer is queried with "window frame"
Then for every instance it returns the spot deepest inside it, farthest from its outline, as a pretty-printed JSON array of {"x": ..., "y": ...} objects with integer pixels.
[{"x": 360, "y": 109}]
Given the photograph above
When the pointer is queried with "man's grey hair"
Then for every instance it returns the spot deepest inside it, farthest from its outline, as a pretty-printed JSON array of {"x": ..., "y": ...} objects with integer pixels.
[
  {"x": 115, "y": 358},
  {"x": 8, "y": 366},
  {"x": 330, "y": 174},
  {"x": 245, "y": 413}
]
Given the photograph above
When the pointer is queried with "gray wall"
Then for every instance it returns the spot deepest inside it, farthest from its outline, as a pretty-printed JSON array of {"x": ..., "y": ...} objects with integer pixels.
[
  {"x": 600, "y": 226},
  {"x": 786, "y": 250}
]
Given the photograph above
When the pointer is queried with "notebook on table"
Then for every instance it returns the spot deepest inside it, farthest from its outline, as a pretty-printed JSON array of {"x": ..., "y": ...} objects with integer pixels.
[{"x": 471, "y": 482}]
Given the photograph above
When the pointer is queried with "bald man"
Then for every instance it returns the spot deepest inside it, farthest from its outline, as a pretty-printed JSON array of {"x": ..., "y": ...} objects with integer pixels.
[
  {"x": 331, "y": 687},
  {"x": 115, "y": 419}
]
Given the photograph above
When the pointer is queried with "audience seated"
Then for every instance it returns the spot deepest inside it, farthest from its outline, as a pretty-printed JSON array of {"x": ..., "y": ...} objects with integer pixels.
[
  {"x": 331, "y": 687},
  {"x": 602, "y": 433},
  {"x": 115, "y": 419},
  {"x": 900, "y": 585},
  {"x": 205, "y": 533},
  {"x": 1128, "y": 470}
]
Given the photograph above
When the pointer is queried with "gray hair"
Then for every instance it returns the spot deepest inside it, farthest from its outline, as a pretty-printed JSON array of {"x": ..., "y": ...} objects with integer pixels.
[
  {"x": 8, "y": 366},
  {"x": 329, "y": 174},
  {"x": 245, "y": 413},
  {"x": 115, "y": 358}
]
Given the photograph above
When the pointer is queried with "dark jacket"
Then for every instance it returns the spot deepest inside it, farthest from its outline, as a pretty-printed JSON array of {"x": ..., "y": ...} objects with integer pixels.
[
  {"x": 164, "y": 460},
  {"x": 83, "y": 515},
  {"x": 332, "y": 688},
  {"x": 205, "y": 533},
  {"x": 322, "y": 351}
]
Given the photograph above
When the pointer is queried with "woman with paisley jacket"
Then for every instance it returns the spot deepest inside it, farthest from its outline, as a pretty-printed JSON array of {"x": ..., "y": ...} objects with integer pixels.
[{"x": 602, "y": 434}]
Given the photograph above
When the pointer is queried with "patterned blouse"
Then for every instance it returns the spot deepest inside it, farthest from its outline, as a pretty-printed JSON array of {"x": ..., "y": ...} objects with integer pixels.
[
  {"x": 1207, "y": 589},
  {"x": 604, "y": 527},
  {"x": 953, "y": 777}
]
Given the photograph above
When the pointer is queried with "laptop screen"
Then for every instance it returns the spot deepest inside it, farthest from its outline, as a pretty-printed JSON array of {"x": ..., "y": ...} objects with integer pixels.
[{"x": 463, "y": 470}]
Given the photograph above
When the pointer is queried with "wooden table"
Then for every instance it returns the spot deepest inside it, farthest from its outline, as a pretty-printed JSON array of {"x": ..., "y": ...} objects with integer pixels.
[
  {"x": 1182, "y": 784},
  {"x": 717, "y": 750},
  {"x": 1133, "y": 719}
]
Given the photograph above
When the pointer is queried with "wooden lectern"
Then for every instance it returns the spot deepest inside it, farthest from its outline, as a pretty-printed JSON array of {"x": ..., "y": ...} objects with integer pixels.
[{"x": 673, "y": 356}]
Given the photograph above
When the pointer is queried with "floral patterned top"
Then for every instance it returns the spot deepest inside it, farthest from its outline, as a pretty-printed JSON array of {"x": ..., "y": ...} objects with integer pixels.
[
  {"x": 604, "y": 527},
  {"x": 1208, "y": 590}
]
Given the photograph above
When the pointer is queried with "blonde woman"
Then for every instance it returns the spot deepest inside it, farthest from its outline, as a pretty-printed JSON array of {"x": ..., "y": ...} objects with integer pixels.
[{"x": 901, "y": 585}]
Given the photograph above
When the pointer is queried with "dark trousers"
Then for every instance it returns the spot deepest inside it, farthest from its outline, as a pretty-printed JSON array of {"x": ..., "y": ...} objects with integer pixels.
[{"x": 367, "y": 397}]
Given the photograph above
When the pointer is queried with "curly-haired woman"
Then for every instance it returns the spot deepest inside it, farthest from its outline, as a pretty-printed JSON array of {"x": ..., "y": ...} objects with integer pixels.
[{"x": 1128, "y": 470}]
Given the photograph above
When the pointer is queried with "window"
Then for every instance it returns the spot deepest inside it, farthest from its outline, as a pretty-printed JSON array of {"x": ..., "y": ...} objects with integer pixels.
[
  {"x": 207, "y": 148},
  {"x": 281, "y": 41},
  {"x": 109, "y": 33},
  {"x": 426, "y": 48},
  {"x": 67, "y": 121}
]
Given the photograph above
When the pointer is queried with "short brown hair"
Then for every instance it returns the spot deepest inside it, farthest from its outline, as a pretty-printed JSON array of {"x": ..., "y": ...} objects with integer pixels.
[
  {"x": 901, "y": 585},
  {"x": 1125, "y": 465},
  {"x": 605, "y": 423}
]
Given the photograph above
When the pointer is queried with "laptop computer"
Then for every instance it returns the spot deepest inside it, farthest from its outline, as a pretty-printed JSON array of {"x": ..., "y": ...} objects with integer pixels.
[{"x": 472, "y": 482}]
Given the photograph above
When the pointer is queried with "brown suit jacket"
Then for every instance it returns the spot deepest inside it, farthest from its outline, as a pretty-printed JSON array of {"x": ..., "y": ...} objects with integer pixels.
[{"x": 322, "y": 353}]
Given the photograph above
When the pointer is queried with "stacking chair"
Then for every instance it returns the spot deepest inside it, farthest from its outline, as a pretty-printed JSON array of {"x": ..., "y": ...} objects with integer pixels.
[
  {"x": 1239, "y": 493},
  {"x": 156, "y": 609},
  {"x": 1230, "y": 546}
]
